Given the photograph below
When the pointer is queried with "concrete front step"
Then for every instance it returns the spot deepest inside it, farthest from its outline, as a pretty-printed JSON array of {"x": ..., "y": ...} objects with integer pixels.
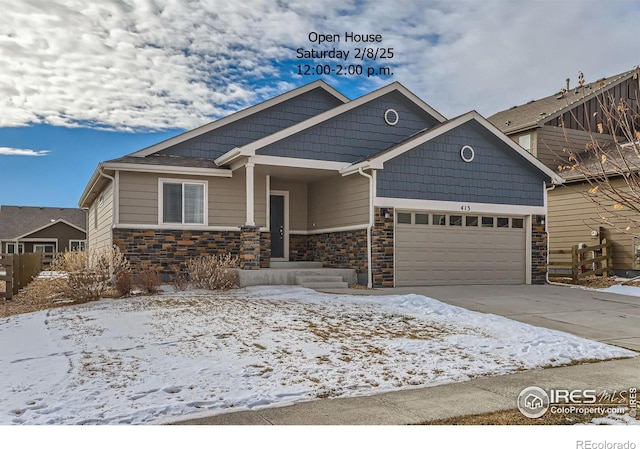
[
  {"x": 328, "y": 284},
  {"x": 305, "y": 279},
  {"x": 321, "y": 281},
  {"x": 289, "y": 276},
  {"x": 291, "y": 265}
]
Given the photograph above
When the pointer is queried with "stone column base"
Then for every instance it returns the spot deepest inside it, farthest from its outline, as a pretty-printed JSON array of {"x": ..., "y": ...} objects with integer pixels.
[{"x": 250, "y": 247}]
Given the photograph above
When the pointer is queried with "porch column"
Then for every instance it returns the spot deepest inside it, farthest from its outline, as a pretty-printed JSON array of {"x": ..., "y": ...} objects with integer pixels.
[{"x": 250, "y": 194}]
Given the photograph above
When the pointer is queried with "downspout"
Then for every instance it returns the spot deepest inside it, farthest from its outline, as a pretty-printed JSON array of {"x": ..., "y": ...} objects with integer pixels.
[{"x": 369, "y": 227}]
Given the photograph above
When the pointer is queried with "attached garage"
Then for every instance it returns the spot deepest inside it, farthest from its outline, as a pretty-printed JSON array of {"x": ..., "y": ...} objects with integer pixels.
[{"x": 433, "y": 248}]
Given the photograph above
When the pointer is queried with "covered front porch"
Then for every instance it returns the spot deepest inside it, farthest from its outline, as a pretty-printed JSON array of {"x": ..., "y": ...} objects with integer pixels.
[{"x": 313, "y": 214}]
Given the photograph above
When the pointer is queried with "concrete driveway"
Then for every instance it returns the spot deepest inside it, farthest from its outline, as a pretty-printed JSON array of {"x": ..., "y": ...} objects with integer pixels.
[{"x": 605, "y": 317}]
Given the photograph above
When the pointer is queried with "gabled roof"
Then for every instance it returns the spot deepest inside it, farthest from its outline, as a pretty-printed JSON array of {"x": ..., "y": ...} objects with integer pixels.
[
  {"x": 620, "y": 160},
  {"x": 18, "y": 221},
  {"x": 160, "y": 159},
  {"x": 251, "y": 148},
  {"x": 238, "y": 116},
  {"x": 537, "y": 112},
  {"x": 377, "y": 161}
]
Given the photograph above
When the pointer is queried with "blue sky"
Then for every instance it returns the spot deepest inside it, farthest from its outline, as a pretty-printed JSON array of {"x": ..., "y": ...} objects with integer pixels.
[{"x": 84, "y": 81}]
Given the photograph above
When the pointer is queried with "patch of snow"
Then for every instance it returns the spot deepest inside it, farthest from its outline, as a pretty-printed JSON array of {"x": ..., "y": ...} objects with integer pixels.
[
  {"x": 180, "y": 355},
  {"x": 614, "y": 419},
  {"x": 622, "y": 290}
]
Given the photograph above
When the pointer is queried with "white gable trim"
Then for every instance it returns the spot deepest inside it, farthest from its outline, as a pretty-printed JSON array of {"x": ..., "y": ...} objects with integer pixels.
[
  {"x": 454, "y": 123},
  {"x": 168, "y": 169},
  {"x": 295, "y": 162},
  {"x": 238, "y": 116},
  {"x": 59, "y": 220},
  {"x": 251, "y": 148}
]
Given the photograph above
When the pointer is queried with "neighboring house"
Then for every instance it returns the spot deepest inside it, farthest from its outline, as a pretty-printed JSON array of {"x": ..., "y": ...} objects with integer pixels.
[
  {"x": 26, "y": 229},
  {"x": 383, "y": 184},
  {"x": 567, "y": 119}
]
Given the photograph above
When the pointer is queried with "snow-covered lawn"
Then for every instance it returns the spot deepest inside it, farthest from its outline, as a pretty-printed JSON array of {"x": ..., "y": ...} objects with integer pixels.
[{"x": 180, "y": 355}]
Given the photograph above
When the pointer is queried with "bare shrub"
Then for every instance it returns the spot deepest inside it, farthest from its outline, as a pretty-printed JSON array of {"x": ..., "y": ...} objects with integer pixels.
[
  {"x": 124, "y": 283},
  {"x": 180, "y": 280},
  {"x": 90, "y": 273},
  {"x": 213, "y": 272},
  {"x": 609, "y": 162},
  {"x": 148, "y": 279}
]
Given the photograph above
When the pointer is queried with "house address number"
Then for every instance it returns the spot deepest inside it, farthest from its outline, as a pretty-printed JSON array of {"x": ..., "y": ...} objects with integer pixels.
[{"x": 465, "y": 208}]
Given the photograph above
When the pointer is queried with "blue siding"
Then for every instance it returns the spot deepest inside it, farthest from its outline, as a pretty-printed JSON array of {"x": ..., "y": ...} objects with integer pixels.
[
  {"x": 217, "y": 142},
  {"x": 356, "y": 134},
  {"x": 435, "y": 171}
]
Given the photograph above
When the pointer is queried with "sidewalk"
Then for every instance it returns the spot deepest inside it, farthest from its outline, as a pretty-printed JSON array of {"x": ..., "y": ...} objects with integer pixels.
[{"x": 414, "y": 406}]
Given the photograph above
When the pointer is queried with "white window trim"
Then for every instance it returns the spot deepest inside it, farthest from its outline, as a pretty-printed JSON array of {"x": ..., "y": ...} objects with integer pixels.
[
  {"x": 54, "y": 245},
  {"x": 79, "y": 241},
  {"x": 19, "y": 245},
  {"x": 524, "y": 140},
  {"x": 162, "y": 181}
]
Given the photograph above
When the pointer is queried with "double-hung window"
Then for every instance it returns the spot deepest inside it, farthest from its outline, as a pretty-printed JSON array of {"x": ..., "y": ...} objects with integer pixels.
[
  {"x": 183, "y": 202},
  {"x": 77, "y": 245},
  {"x": 12, "y": 249}
]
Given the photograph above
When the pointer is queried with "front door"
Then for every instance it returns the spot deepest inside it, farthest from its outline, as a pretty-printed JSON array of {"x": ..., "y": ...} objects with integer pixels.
[{"x": 277, "y": 226}]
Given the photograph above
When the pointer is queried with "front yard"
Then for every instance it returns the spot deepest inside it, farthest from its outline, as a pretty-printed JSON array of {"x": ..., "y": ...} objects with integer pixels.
[{"x": 180, "y": 355}]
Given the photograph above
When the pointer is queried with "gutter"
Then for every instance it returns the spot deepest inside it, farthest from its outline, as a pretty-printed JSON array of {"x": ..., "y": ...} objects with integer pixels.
[
  {"x": 369, "y": 227},
  {"x": 228, "y": 157}
]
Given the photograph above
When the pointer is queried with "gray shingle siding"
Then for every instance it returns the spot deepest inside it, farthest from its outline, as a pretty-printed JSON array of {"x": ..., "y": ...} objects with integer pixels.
[
  {"x": 217, "y": 142},
  {"x": 435, "y": 171},
  {"x": 355, "y": 134}
]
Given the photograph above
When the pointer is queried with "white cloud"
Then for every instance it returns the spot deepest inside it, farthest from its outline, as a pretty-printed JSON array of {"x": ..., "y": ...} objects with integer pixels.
[
  {"x": 4, "y": 151},
  {"x": 176, "y": 64}
]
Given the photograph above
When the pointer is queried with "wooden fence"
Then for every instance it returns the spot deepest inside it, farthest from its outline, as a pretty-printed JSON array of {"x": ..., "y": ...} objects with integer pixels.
[
  {"x": 19, "y": 269},
  {"x": 583, "y": 262}
]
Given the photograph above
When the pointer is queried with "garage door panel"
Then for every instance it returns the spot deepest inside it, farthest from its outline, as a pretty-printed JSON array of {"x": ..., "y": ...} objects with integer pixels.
[{"x": 432, "y": 255}]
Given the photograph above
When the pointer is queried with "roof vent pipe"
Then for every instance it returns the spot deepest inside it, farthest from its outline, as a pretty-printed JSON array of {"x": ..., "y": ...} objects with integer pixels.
[{"x": 568, "y": 81}]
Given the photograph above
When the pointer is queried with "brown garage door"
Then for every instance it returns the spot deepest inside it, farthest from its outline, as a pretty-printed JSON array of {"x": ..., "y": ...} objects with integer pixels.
[{"x": 440, "y": 249}]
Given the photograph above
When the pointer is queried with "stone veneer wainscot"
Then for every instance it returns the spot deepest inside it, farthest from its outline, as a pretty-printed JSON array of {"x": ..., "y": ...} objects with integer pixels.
[{"x": 170, "y": 249}]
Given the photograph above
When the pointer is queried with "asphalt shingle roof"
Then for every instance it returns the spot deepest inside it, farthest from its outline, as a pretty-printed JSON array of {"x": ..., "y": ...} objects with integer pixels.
[
  {"x": 19, "y": 220},
  {"x": 176, "y": 161},
  {"x": 537, "y": 112}
]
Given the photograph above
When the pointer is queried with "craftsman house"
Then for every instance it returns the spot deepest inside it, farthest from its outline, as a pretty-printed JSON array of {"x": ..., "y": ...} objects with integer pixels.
[
  {"x": 26, "y": 229},
  {"x": 383, "y": 184},
  {"x": 568, "y": 119}
]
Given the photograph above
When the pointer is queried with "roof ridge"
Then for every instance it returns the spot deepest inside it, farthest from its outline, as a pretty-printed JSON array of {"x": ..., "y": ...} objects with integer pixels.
[{"x": 540, "y": 110}]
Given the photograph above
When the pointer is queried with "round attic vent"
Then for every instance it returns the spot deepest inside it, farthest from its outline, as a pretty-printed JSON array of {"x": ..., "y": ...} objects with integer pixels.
[
  {"x": 391, "y": 117},
  {"x": 467, "y": 154}
]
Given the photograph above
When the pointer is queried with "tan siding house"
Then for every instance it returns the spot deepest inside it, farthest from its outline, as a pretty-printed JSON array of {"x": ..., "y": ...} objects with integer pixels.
[
  {"x": 311, "y": 176},
  {"x": 334, "y": 203},
  {"x": 568, "y": 120},
  {"x": 573, "y": 219},
  {"x": 101, "y": 217}
]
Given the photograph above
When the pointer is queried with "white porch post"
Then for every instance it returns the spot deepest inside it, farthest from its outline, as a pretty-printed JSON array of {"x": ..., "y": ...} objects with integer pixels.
[{"x": 250, "y": 194}]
